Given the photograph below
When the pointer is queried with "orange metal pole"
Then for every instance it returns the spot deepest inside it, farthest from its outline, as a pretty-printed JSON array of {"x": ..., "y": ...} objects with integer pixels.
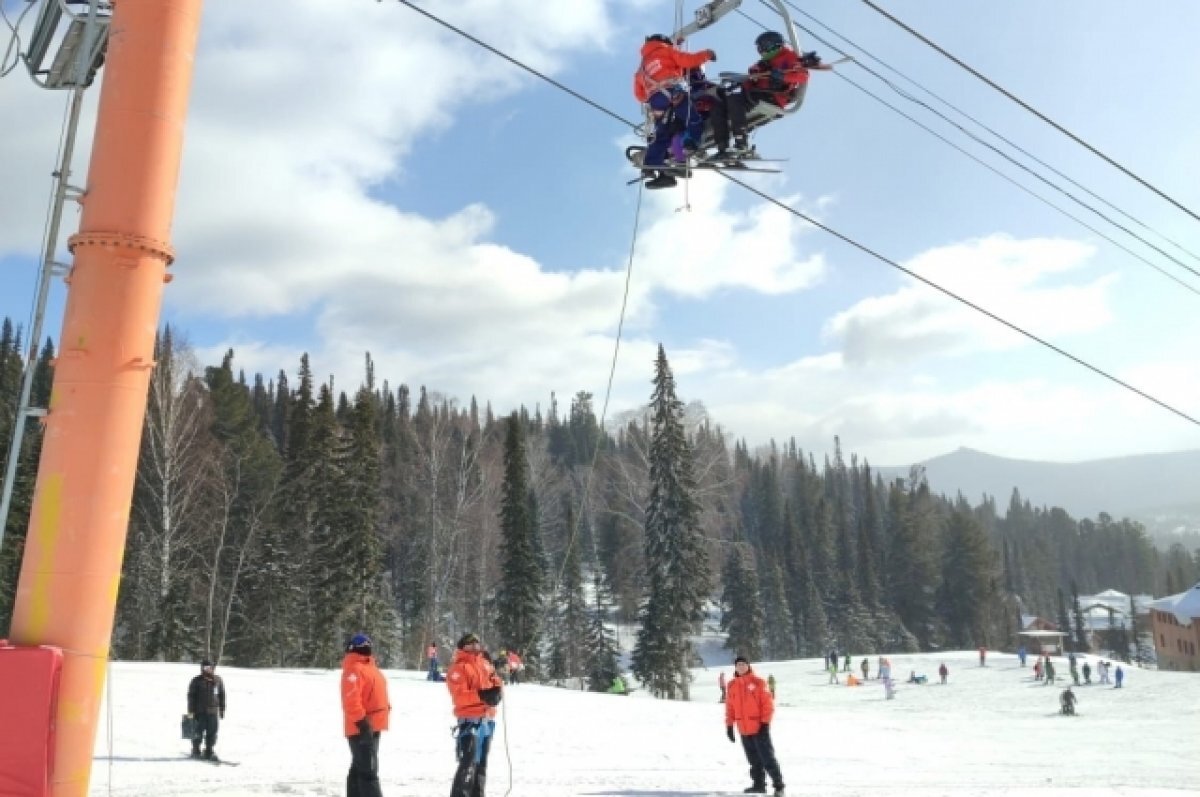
[{"x": 66, "y": 596}]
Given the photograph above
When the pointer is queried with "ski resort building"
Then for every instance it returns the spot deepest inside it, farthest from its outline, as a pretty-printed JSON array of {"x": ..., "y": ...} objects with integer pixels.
[{"x": 1176, "y": 623}]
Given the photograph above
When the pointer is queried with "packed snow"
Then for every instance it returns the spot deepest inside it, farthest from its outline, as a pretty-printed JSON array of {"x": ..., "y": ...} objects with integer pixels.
[{"x": 990, "y": 731}]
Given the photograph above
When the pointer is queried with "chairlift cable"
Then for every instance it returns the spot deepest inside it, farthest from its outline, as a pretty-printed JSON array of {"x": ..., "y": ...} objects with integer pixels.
[
  {"x": 968, "y": 116},
  {"x": 850, "y": 241},
  {"x": 1017, "y": 163},
  {"x": 1033, "y": 110}
]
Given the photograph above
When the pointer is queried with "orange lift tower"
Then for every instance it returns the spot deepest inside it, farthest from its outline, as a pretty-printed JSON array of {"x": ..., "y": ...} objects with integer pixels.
[{"x": 66, "y": 595}]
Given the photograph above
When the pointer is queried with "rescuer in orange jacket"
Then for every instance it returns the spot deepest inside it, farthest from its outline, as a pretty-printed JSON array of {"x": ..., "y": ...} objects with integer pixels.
[
  {"x": 661, "y": 83},
  {"x": 475, "y": 690},
  {"x": 365, "y": 710},
  {"x": 749, "y": 706}
]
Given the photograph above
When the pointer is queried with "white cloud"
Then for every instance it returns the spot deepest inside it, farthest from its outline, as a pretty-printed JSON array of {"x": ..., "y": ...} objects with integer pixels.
[{"x": 1012, "y": 278}]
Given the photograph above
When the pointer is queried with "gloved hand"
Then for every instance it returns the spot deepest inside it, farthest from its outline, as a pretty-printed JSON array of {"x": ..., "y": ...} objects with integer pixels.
[
  {"x": 766, "y": 726},
  {"x": 776, "y": 75},
  {"x": 810, "y": 59},
  {"x": 365, "y": 734},
  {"x": 712, "y": 54},
  {"x": 729, "y": 733},
  {"x": 490, "y": 696}
]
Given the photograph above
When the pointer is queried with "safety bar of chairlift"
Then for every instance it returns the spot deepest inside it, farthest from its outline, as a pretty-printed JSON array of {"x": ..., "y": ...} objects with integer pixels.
[
  {"x": 710, "y": 12},
  {"x": 62, "y": 69}
]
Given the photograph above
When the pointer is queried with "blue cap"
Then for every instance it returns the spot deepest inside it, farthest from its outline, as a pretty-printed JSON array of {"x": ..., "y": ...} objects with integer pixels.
[{"x": 360, "y": 641}]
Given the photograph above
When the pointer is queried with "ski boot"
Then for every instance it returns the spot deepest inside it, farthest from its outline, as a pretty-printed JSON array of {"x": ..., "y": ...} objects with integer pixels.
[
  {"x": 757, "y": 788},
  {"x": 658, "y": 179}
]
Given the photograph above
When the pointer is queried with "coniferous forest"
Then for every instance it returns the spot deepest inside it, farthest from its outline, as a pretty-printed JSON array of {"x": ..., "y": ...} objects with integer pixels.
[{"x": 273, "y": 515}]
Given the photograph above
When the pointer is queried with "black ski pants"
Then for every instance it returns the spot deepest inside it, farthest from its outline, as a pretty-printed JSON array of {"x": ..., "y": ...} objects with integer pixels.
[
  {"x": 363, "y": 779},
  {"x": 206, "y": 731},
  {"x": 761, "y": 755}
]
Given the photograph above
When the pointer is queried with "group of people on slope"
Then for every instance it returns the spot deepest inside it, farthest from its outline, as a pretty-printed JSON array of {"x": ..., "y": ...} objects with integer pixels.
[
  {"x": 681, "y": 99},
  {"x": 475, "y": 691}
]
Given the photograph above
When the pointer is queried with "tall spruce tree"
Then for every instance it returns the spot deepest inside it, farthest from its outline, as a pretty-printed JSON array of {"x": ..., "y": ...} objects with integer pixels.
[
  {"x": 1064, "y": 620},
  {"x": 519, "y": 597},
  {"x": 1082, "y": 643},
  {"x": 967, "y": 590},
  {"x": 600, "y": 644},
  {"x": 742, "y": 615},
  {"x": 677, "y": 570}
]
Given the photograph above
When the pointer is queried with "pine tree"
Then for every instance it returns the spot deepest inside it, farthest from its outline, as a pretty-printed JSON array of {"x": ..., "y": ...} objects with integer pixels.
[
  {"x": 1064, "y": 620},
  {"x": 1081, "y": 635},
  {"x": 600, "y": 645},
  {"x": 966, "y": 593},
  {"x": 742, "y": 618},
  {"x": 677, "y": 571},
  {"x": 571, "y": 622},
  {"x": 777, "y": 615},
  {"x": 519, "y": 597}
]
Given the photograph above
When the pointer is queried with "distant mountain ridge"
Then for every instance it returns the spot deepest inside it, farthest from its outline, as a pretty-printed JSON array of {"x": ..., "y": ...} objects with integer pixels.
[{"x": 1139, "y": 486}]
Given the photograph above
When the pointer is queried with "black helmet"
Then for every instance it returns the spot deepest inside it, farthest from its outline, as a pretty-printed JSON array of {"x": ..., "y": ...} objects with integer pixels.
[
  {"x": 766, "y": 42},
  {"x": 659, "y": 37}
]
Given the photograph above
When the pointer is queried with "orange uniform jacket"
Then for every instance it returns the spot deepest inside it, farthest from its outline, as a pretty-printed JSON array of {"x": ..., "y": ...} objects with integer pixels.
[
  {"x": 748, "y": 702},
  {"x": 364, "y": 694},
  {"x": 662, "y": 64},
  {"x": 468, "y": 673}
]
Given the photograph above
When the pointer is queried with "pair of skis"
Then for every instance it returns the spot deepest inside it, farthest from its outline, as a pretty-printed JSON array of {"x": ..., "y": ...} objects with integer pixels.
[{"x": 713, "y": 164}]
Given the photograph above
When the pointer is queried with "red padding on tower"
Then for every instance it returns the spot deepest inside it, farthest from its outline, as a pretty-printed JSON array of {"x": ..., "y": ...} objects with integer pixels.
[{"x": 28, "y": 697}]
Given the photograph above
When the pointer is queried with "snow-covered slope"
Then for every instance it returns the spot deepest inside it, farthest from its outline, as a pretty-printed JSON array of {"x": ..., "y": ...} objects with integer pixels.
[{"x": 991, "y": 731}]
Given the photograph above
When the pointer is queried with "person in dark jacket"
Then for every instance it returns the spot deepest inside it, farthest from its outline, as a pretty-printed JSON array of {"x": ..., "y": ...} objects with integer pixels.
[
  {"x": 750, "y": 708},
  {"x": 206, "y": 704}
]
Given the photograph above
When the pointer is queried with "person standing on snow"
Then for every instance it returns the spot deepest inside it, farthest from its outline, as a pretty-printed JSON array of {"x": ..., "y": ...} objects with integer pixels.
[
  {"x": 206, "y": 704},
  {"x": 514, "y": 666},
  {"x": 866, "y": 668},
  {"x": 721, "y": 684},
  {"x": 365, "y": 713},
  {"x": 943, "y": 673},
  {"x": 431, "y": 654},
  {"x": 1120, "y": 677},
  {"x": 982, "y": 656},
  {"x": 749, "y": 705},
  {"x": 475, "y": 690}
]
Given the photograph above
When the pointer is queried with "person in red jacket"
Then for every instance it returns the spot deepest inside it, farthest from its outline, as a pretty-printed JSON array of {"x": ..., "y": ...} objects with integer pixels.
[
  {"x": 749, "y": 706},
  {"x": 475, "y": 691},
  {"x": 365, "y": 710},
  {"x": 779, "y": 77},
  {"x": 661, "y": 83}
]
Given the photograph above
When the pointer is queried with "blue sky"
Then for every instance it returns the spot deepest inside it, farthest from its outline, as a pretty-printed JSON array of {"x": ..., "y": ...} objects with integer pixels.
[{"x": 357, "y": 178}]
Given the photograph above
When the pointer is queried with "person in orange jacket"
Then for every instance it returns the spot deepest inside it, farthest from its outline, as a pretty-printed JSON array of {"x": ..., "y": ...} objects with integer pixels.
[
  {"x": 661, "y": 83},
  {"x": 475, "y": 691},
  {"x": 750, "y": 706},
  {"x": 365, "y": 711}
]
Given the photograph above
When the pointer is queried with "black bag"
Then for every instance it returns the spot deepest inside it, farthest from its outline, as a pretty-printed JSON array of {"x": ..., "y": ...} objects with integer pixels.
[{"x": 188, "y": 726}]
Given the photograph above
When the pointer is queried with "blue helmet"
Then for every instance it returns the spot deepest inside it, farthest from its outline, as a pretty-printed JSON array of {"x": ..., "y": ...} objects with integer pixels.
[{"x": 359, "y": 641}]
